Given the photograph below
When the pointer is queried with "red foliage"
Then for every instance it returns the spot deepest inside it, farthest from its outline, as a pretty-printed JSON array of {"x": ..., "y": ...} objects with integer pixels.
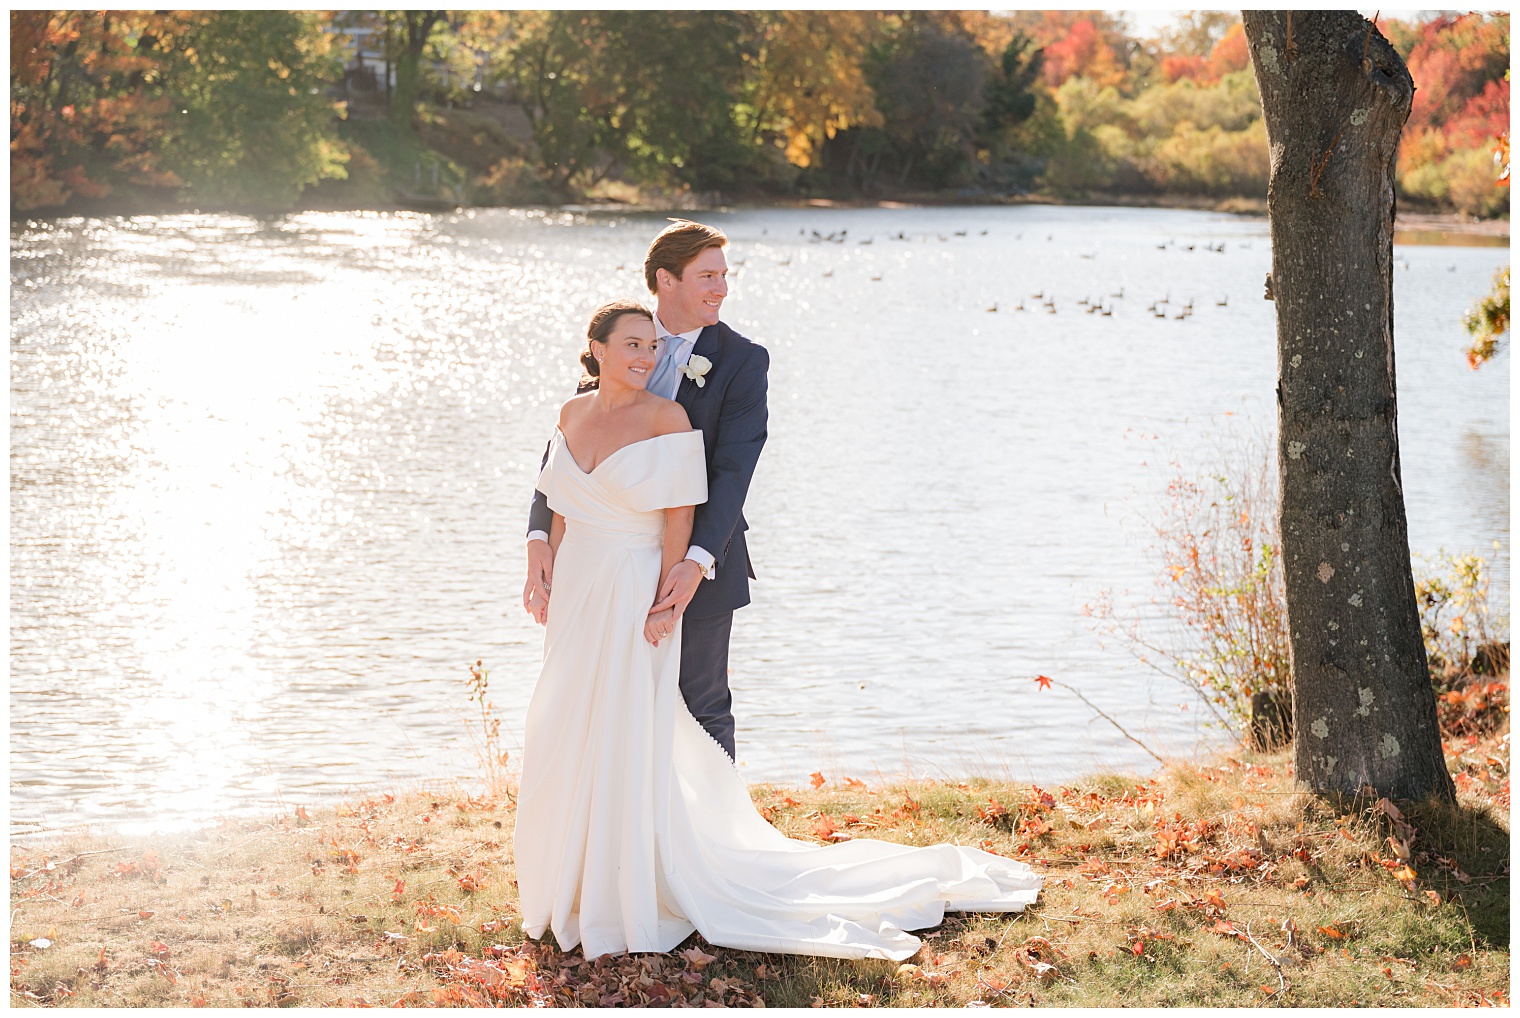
[
  {"x": 1176, "y": 66},
  {"x": 1484, "y": 118},
  {"x": 1454, "y": 61},
  {"x": 1082, "y": 51}
]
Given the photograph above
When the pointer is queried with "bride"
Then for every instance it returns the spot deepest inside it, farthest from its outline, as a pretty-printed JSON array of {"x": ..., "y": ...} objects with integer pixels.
[{"x": 634, "y": 828}]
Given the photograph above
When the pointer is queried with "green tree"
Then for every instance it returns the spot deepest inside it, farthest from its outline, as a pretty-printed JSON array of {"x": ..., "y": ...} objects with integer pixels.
[
  {"x": 929, "y": 79},
  {"x": 1010, "y": 93},
  {"x": 251, "y": 122},
  {"x": 648, "y": 95},
  {"x": 407, "y": 36}
]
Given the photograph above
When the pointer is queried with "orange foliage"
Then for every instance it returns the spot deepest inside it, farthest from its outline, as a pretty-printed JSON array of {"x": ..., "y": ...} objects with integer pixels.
[
  {"x": 1082, "y": 51},
  {"x": 82, "y": 112},
  {"x": 1231, "y": 53}
]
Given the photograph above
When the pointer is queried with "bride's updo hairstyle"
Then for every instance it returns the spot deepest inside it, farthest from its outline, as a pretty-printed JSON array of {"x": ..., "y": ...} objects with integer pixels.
[{"x": 603, "y": 321}]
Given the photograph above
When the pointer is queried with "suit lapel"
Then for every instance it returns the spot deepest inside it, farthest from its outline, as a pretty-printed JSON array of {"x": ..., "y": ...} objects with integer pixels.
[{"x": 705, "y": 346}]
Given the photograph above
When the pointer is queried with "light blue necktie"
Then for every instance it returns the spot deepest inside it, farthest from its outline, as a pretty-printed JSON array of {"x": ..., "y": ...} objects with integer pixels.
[{"x": 663, "y": 381}]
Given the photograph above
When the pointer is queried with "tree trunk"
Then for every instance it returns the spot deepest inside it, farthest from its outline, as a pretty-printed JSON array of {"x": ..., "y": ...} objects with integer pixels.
[
  {"x": 415, "y": 27},
  {"x": 1335, "y": 96}
]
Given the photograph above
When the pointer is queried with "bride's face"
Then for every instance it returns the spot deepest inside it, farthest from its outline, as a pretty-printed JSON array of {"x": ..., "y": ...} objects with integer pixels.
[{"x": 630, "y": 353}]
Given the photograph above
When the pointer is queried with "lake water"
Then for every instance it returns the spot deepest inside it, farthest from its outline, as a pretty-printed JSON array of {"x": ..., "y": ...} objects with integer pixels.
[{"x": 269, "y": 483}]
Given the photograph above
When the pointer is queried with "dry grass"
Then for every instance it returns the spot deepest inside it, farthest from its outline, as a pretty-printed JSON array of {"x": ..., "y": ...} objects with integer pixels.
[{"x": 1217, "y": 886}]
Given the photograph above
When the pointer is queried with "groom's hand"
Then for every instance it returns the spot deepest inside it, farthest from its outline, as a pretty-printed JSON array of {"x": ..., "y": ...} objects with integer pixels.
[
  {"x": 679, "y": 587},
  {"x": 540, "y": 578}
]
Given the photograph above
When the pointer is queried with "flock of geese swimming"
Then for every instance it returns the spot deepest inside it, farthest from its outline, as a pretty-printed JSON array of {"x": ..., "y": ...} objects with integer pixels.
[
  {"x": 1162, "y": 308},
  {"x": 1104, "y": 306}
]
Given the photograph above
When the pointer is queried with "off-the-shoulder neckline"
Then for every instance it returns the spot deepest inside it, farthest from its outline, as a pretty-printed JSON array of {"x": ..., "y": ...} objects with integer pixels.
[{"x": 569, "y": 452}]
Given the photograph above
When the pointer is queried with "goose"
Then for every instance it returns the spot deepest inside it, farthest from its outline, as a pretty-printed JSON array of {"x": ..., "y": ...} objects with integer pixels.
[
  {"x": 994, "y": 307},
  {"x": 827, "y": 274},
  {"x": 982, "y": 234},
  {"x": 875, "y": 279},
  {"x": 960, "y": 233},
  {"x": 866, "y": 241},
  {"x": 1119, "y": 295},
  {"x": 1223, "y": 303},
  {"x": 1021, "y": 305},
  {"x": 1108, "y": 312},
  {"x": 787, "y": 262},
  {"x": 1038, "y": 296}
]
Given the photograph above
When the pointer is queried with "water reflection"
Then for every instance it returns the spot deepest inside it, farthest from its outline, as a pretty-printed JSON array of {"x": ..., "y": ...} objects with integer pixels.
[{"x": 268, "y": 482}]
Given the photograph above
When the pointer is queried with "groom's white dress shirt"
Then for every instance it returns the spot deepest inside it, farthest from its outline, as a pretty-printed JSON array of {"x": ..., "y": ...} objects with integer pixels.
[{"x": 683, "y": 343}]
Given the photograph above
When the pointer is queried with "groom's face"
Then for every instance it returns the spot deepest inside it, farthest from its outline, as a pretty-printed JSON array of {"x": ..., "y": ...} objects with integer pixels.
[{"x": 694, "y": 299}]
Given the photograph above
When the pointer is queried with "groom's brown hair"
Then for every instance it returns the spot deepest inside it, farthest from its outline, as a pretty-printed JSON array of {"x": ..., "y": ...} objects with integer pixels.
[{"x": 676, "y": 246}]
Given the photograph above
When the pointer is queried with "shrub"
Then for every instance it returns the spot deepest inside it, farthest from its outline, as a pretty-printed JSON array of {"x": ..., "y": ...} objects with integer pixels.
[
  {"x": 1222, "y": 585},
  {"x": 1222, "y": 628},
  {"x": 1463, "y": 636}
]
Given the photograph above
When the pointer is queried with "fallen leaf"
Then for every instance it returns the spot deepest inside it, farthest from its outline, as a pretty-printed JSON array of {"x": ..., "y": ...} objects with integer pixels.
[
  {"x": 1043, "y": 680},
  {"x": 1334, "y": 933},
  {"x": 146, "y": 914},
  {"x": 1434, "y": 897},
  {"x": 817, "y": 779},
  {"x": 697, "y": 958},
  {"x": 1463, "y": 962}
]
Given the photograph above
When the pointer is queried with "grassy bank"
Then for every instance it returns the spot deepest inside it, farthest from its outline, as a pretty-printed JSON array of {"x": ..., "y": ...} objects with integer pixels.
[{"x": 1215, "y": 884}]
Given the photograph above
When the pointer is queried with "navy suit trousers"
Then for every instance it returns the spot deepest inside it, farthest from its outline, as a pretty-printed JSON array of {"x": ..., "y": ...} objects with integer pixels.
[{"x": 704, "y": 675}]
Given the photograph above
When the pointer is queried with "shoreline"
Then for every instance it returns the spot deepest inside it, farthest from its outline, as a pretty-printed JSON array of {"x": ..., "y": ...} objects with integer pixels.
[
  {"x": 1159, "y": 891},
  {"x": 1254, "y": 208}
]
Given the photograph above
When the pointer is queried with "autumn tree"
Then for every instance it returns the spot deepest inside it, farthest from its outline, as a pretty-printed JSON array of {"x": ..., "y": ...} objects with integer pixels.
[
  {"x": 1335, "y": 95},
  {"x": 809, "y": 80},
  {"x": 220, "y": 106}
]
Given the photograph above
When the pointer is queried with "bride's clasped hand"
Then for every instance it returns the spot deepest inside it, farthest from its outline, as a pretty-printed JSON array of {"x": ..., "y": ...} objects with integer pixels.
[{"x": 634, "y": 827}]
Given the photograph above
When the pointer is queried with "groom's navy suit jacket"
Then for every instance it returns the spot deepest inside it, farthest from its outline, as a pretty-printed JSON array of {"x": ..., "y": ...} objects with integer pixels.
[{"x": 730, "y": 412}]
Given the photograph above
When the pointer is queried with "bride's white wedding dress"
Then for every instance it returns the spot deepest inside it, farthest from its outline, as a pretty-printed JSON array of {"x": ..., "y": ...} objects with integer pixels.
[{"x": 633, "y": 826}]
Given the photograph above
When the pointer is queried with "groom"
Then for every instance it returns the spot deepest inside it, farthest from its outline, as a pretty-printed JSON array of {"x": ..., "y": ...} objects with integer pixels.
[{"x": 718, "y": 376}]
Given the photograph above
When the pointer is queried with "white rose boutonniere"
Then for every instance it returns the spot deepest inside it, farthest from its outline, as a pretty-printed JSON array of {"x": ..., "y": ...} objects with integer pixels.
[{"x": 696, "y": 369}]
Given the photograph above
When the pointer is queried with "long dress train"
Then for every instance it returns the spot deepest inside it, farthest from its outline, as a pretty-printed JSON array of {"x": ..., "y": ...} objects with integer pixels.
[{"x": 633, "y": 826}]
